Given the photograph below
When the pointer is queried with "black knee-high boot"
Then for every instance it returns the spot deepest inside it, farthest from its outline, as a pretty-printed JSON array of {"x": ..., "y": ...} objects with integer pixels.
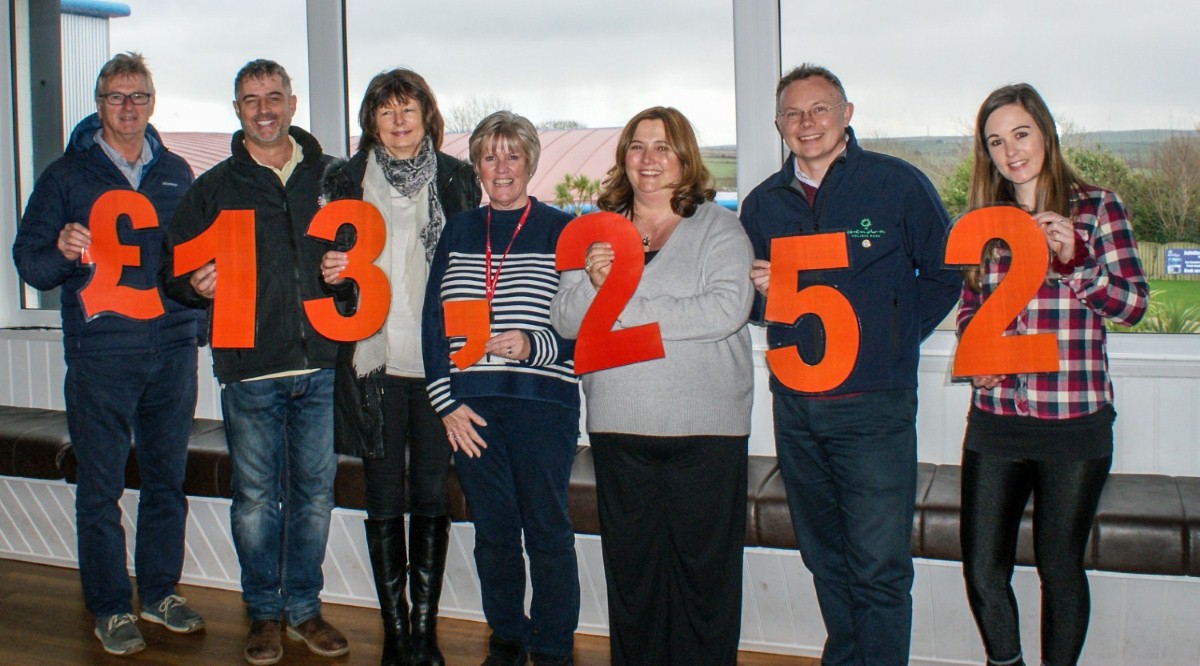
[
  {"x": 385, "y": 543},
  {"x": 428, "y": 539}
]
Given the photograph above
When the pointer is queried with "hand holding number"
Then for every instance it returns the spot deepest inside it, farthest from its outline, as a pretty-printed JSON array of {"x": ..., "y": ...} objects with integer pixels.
[
  {"x": 760, "y": 275},
  {"x": 512, "y": 345},
  {"x": 986, "y": 382},
  {"x": 460, "y": 429},
  {"x": 73, "y": 240},
  {"x": 597, "y": 262},
  {"x": 204, "y": 280},
  {"x": 1060, "y": 234},
  {"x": 332, "y": 265}
]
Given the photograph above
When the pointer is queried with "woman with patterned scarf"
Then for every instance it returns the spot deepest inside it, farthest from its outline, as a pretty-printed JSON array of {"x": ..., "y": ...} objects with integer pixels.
[{"x": 381, "y": 405}]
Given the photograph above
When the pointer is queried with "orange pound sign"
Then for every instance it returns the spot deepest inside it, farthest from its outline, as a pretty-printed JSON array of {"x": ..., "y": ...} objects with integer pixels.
[{"x": 103, "y": 294}]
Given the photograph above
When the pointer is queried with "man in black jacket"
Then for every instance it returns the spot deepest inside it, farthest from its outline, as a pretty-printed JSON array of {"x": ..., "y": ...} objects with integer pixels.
[
  {"x": 128, "y": 377},
  {"x": 277, "y": 391}
]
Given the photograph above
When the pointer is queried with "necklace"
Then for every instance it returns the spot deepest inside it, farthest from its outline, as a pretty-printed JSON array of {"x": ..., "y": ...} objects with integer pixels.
[{"x": 646, "y": 243}]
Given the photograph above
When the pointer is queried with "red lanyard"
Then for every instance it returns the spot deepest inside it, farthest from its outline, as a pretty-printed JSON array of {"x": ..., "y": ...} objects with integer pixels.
[{"x": 489, "y": 279}]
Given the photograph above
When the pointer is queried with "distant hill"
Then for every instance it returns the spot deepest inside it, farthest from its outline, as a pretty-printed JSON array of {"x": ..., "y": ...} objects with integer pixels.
[{"x": 938, "y": 155}]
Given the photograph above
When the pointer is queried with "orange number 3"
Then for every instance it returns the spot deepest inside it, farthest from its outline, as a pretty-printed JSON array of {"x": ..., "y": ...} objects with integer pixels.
[
  {"x": 983, "y": 348},
  {"x": 598, "y": 346},
  {"x": 374, "y": 292}
]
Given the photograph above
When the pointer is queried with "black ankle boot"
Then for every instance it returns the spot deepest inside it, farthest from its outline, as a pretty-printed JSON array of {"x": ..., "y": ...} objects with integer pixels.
[
  {"x": 428, "y": 539},
  {"x": 502, "y": 652},
  {"x": 385, "y": 543}
]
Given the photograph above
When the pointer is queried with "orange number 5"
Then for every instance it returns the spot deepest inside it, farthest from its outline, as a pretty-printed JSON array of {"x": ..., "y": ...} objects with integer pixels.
[{"x": 785, "y": 305}]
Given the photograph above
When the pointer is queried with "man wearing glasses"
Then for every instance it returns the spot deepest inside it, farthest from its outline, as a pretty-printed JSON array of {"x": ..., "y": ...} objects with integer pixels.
[
  {"x": 847, "y": 446},
  {"x": 128, "y": 380}
]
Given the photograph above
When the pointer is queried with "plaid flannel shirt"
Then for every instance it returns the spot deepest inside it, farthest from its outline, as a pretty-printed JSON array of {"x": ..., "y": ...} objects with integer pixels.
[{"x": 1108, "y": 285}]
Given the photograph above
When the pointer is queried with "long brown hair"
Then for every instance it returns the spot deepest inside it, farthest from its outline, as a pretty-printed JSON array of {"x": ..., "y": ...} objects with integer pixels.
[
  {"x": 695, "y": 185},
  {"x": 1057, "y": 182}
]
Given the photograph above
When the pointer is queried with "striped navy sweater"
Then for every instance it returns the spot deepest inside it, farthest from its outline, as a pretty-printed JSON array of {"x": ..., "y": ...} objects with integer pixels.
[{"x": 525, "y": 288}]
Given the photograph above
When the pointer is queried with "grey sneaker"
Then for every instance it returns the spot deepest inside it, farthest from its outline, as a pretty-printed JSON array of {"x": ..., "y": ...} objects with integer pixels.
[
  {"x": 173, "y": 613},
  {"x": 119, "y": 635}
]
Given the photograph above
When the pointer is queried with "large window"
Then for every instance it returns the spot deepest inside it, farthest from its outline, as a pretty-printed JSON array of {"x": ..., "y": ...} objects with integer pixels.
[
  {"x": 1116, "y": 75},
  {"x": 562, "y": 65},
  {"x": 192, "y": 49}
]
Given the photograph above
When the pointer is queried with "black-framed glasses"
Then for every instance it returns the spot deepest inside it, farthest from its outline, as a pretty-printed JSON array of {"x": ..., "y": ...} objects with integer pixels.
[
  {"x": 118, "y": 99},
  {"x": 817, "y": 113}
]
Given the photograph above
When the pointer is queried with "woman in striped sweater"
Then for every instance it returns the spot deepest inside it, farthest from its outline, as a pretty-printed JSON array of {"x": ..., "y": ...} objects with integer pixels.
[{"x": 512, "y": 416}]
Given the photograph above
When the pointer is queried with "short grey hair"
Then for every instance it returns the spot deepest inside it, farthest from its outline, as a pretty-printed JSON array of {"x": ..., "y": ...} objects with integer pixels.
[
  {"x": 121, "y": 65},
  {"x": 513, "y": 128},
  {"x": 805, "y": 71},
  {"x": 262, "y": 69}
]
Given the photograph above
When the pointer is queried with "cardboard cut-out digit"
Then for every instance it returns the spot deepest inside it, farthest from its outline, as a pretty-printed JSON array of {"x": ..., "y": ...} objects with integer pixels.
[
  {"x": 598, "y": 346},
  {"x": 229, "y": 243},
  {"x": 785, "y": 305},
  {"x": 102, "y": 294},
  {"x": 983, "y": 347},
  {"x": 469, "y": 319},
  {"x": 374, "y": 292}
]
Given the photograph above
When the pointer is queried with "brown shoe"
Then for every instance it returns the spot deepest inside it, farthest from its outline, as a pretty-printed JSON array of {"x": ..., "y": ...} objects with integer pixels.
[
  {"x": 320, "y": 637},
  {"x": 263, "y": 644}
]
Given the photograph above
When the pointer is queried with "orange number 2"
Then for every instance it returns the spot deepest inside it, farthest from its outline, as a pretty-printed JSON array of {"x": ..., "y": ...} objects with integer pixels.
[
  {"x": 598, "y": 346},
  {"x": 785, "y": 305},
  {"x": 103, "y": 293},
  {"x": 983, "y": 348}
]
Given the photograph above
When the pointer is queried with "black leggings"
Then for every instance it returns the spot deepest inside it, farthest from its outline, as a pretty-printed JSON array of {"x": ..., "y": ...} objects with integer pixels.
[{"x": 994, "y": 492}]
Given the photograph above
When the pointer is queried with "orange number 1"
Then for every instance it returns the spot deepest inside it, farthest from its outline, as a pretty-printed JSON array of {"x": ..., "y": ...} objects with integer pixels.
[{"x": 229, "y": 242}]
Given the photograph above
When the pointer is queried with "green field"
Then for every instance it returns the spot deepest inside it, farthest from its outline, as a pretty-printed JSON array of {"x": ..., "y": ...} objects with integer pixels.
[{"x": 1174, "y": 308}]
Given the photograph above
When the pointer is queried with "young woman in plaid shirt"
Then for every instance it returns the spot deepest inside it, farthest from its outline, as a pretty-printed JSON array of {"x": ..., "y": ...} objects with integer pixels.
[{"x": 1049, "y": 434}]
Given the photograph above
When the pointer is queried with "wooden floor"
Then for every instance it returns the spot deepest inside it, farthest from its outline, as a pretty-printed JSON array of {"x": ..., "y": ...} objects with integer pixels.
[{"x": 43, "y": 622}]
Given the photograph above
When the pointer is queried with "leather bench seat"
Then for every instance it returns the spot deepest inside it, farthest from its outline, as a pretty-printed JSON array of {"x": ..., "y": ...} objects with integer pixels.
[
  {"x": 33, "y": 442},
  {"x": 1146, "y": 523}
]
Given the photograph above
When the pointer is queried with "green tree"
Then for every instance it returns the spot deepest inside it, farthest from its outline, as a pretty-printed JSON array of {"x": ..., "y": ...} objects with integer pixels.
[
  {"x": 575, "y": 194},
  {"x": 954, "y": 190}
]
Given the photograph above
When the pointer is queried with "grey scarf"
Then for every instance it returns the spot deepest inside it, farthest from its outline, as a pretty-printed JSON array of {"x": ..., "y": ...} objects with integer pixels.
[{"x": 408, "y": 177}]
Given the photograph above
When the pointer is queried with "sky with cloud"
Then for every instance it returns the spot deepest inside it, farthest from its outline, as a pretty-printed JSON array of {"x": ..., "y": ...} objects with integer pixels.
[{"x": 911, "y": 68}]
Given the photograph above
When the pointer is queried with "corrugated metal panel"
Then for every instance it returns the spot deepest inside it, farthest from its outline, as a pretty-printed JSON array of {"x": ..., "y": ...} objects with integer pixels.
[{"x": 85, "y": 50}]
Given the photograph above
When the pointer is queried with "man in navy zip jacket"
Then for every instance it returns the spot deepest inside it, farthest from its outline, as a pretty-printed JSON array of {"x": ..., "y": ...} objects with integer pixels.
[
  {"x": 127, "y": 379},
  {"x": 848, "y": 454}
]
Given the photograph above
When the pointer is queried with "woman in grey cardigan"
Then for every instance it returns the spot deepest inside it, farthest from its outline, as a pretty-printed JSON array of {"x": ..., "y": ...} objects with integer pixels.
[{"x": 669, "y": 436}]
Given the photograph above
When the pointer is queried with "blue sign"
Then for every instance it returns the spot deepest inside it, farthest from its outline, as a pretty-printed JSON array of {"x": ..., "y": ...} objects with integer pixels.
[{"x": 1183, "y": 262}]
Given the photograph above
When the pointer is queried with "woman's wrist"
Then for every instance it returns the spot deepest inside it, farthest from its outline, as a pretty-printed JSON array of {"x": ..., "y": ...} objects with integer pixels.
[{"x": 1065, "y": 268}]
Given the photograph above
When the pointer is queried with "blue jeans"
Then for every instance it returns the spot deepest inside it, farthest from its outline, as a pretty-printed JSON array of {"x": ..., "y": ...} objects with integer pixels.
[
  {"x": 280, "y": 436},
  {"x": 850, "y": 469},
  {"x": 519, "y": 485},
  {"x": 111, "y": 401}
]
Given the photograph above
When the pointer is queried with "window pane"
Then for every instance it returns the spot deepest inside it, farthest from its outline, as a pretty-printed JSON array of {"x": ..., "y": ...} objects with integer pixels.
[
  {"x": 594, "y": 65},
  {"x": 193, "y": 50},
  {"x": 1113, "y": 73}
]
